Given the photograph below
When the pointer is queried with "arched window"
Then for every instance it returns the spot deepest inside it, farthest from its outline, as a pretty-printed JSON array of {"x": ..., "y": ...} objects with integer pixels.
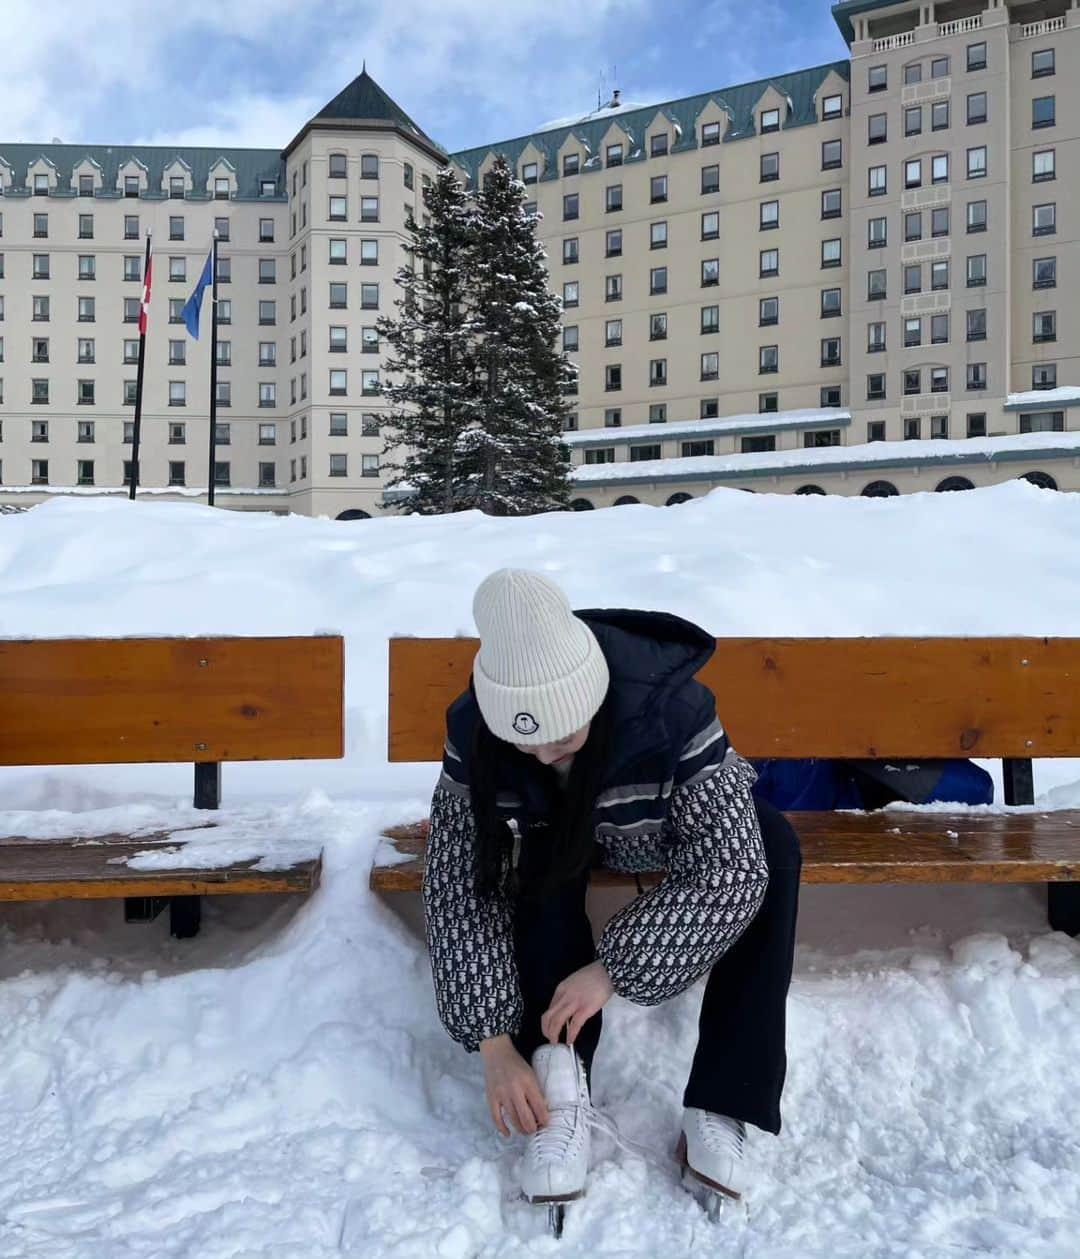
[
  {"x": 627, "y": 500},
  {"x": 1042, "y": 479},
  {"x": 880, "y": 489},
  {"x": 581, "y": 504},
  {"x": 354, "y": 513},
  {"x": 955, "y": 483},
  {"x": 676, "y": 499},
  {"x": 339, "y": 165},
  {"x": 809, "y": 489}
]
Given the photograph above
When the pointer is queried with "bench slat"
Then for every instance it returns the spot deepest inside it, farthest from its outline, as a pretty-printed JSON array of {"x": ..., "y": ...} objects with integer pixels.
[
  {"x": 822, "y": 697},
  {"x": 889, "y": 847},
  {"x": 84, "y": 869},
  {"x": 138, "y": 700}
]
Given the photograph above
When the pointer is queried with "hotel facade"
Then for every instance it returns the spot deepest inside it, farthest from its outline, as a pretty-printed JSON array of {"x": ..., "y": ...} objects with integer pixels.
[{"x": 850, "y": 279}]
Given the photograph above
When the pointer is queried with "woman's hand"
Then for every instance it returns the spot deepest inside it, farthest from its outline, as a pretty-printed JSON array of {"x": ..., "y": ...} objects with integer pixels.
[
  {"x": 576, "y": 1000},
  {"x": 512, "y": 1087}
]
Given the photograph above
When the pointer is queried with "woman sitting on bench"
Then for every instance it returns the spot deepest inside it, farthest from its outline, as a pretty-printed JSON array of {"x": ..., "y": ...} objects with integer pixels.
[{"x": 584, "y": 741}]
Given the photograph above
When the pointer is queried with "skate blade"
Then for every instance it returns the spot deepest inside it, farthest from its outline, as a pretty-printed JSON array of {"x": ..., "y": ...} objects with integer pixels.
[
  {"x": 690, "y": 1174},
  {"x": 554, "y": 1199}
]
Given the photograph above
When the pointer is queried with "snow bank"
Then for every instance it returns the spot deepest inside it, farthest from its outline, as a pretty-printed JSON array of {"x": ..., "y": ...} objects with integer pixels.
[{"x": 279, "y": 1088}]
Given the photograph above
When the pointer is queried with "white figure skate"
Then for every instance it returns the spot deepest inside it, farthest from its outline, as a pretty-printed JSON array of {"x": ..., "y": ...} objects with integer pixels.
[
  {"x": 711, "y": 1153},
  {"x": 556, "y": 1158}
]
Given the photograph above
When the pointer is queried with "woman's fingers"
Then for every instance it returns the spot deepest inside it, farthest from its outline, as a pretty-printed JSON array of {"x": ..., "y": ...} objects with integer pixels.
[
  {"x": 535, "y": 1097},
  {"x": 526, "y": 1119},
  {"x": 495, "y": 1107},
  {"x": 577, "y": 1022},
  {"x": 556, "y": 1017}
]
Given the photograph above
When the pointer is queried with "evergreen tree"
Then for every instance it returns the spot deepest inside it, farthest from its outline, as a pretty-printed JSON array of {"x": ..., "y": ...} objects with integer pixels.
[
  {"x": 431, "y": 377},
  {"x": 513, "y": 457}
]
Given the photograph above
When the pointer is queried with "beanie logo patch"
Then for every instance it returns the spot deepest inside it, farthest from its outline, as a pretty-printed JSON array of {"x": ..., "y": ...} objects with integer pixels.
[{"x": 526, "y": 723}]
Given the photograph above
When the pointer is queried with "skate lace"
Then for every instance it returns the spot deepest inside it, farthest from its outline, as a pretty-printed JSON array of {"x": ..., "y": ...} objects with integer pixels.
[
  {"x": 721, "y": 1134},
  {"x": 565, "y": 1126}
]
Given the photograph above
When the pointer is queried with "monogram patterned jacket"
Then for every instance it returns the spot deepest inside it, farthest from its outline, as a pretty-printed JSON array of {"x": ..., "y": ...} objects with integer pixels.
[{"x": 676, "y": 798}]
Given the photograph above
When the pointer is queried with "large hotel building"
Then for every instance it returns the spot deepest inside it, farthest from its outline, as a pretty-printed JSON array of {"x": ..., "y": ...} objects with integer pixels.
[{"x": 848, "y": 279}]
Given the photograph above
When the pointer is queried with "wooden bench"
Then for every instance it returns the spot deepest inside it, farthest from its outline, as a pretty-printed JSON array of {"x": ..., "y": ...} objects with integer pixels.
[
  {"x": 142, "y": 700},
  {"x": 877, "y": 698}
]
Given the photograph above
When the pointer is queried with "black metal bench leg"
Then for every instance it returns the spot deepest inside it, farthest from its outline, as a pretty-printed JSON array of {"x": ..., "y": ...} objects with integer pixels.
[
  {"x": 1063, "y": 907},
  {"x": 185, "y": 916}
]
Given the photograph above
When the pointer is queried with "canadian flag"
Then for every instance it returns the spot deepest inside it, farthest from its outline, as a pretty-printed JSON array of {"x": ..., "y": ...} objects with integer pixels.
[{"x": 144, "y": 303}]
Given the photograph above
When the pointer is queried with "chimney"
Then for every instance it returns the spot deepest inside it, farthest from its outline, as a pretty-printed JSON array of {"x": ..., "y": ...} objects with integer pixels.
[{"x": 615, "y": 98}]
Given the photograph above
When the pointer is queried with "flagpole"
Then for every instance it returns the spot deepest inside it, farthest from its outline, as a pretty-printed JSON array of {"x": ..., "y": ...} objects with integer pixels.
[
  {"x": 213, "y": 379},
  {"x": 143, "y": 320}
]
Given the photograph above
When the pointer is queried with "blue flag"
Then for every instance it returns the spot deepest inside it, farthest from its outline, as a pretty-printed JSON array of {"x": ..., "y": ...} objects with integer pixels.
[{"x": 193, "y": 305}]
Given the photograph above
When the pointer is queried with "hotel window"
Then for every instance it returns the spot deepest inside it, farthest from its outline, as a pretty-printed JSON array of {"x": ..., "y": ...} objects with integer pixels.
[
  {"x": 176, "y": 227},
  {"x": 131, "y": 351},
  {"x": 976, "y": 108},
  {"x": 658, "y": 415},
  {"x": 768, "y": 264},
  {"x": 369, "y": 465},
  {"x": 696, "y": 449},
  {"x": 369, "y": 209},
  {"x": 41, "y": 267},
  {"x": 976, "y": 216},
  {"x": 832, "y": 107},
  {"x": 658, "y": 144},
  {"x": 767, "y": 403},
  {"x": 768, "y": 215},
  {"x": 939, "y": 68},
  {"x": 877, "y": 79},
  {"x": 875, "y": 387},
  {"x": 369, "y": 340},
  {"x": 913, "y": 428},
  {"x": 339, "y": 465},
  {"x": 86, "y": 185},
  {"x": 939, "y": 168},
  {"x": 640, "y": 453},
  {"x": 267, "y": 271},
  {"x": 913, "y": 278},
  {"x": 976, "y": 57},
  {"x": 710, "y": 272},
  {"x": 658, "y": 327},
  {"x": 339, "y": 291},
  {"x": 976, "y": 270},
  {"x": 1044, "y": 273},
  {"x": 40, "y": 308},
  {"x": 823, "y": 437},
  {"x": 912, "y": 381},
  {"x": 770, "y": 121},
  {"x": 613, "y": 198},
  {"x": 710, "y": 319},
  {"x": 339, "y": 383},
  {"x": 369, "y": 166},
  {"x": 86, "y": 350},
  {"x": 877, "y": 181},
  {"x": 530, "y": 173},
  {"x": 613, "y": 377},
  {"x": 131, "y": 185},
  {"x": 976, "y": 424},
  {"x": 976, "y": 162},
  {"x": 1043, "y": 166},
  {"x": 830, "y": 303},
  {"x": 832, "y": 203},
  {"x": 939, "y": 221},
  {"x": 178, "y": 353},
  {"x": 224, "y": 308},
  {"x": 657, "y": 190},
  {"x": 177, "y": 269},
  {"x": 830, "y": 352},
  {"x": 339, "y": 424},
  {"x": 221, "y": 227},
  {"x": 267, "y": 313},
  {"x": 224, "y": 270},
  {"x": 768, "y": 359},
  {"x": 939, "y": 427},
  {"x": 570, "y": 206},
  {"x": 976, "y": 376},
  {"x": 41, "y": 226},
  {"x": 613, "y": 418},
  {"x": 85, "y": 395},
  {"x": 877, "y": 234},
  {"x": 41, "y": 185},
  {"x": 709, "y": 408},
  {"x": 571, "y": 163},
  {"x": 939, "y": 275},
  {"x": 913, "y": 120},
  {"x": 976, "y": 325},
  {"x": 1042, "y": 63},
  {"x": 570, "y": 251},
  {"x": 939, "y": 380},
  {"x": 1044, "y": 220},
  {"x": 613, "y": 288},
  {"x": 600, "y": 454},
  {"x": 770, "y": 167},
  {"x": 658, "y": 281},
  {"x": 831, "y": 253},
  {"x": 768, "y": 312},
  {"x": 613, "y": 332},
  {"x": 613, "y": 243},
  {"x": 570, "y": 342},
  {"x": 710, "y": 133},
  {"x": 710, "y": 179},
  {"x": 614, "y": 155},
  {"x": 710, "y": 366},
  {"x": 339, "y": 252},
  {"x": 877, "y": 129},
  {"x": 875, "y": 431},
  {"x": 710, "y": 225},
  {"x": 339, "y": 339},
  {"x": 570, "y": 294},
  {"x": 177, "y": 393},
  {"x": 1044, "y": 326},
  {"x": 658, "y": 372},
  {"x": 829, "y": 396},
  {"x": 369, "y": 382},
  {"x": 1042, "y": 422},
  {"x": 86, "y": 227},
  {"x": 939, "y": 116},
  {"x": 939, "y": 329},
  {"x": 131, "y": 227},
  {"x": 875, "y": 338},
  {"x": 912, "y": 173},
  {"x": 1043, "y": 112},
  {"x": 369, "y": 297},
  {"x": 832, "y": 154},
  {"x": 1044, "y": 376}
]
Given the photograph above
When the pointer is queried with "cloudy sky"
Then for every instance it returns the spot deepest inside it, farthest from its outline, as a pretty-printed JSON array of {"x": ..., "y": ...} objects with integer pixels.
[{"x": 250, "y": 72}]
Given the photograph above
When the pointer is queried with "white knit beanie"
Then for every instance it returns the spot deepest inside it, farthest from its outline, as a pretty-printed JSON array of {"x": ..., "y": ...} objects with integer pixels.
[{"x": 539, "y": 675}]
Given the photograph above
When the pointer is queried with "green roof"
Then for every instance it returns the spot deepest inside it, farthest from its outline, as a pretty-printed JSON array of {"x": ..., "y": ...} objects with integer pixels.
[
  {"x": 845, "y": 10},
  {"x": 738, "y": 103},
  {"x": 251, "y": 166}
]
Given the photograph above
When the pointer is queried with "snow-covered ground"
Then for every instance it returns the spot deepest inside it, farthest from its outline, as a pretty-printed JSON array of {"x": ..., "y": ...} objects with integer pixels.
[{"x": 280, "y": 1088}]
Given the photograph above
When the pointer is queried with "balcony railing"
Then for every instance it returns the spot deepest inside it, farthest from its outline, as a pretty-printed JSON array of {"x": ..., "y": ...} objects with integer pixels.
[
  {"x": 1032, "y": 30},
  {"x": 961, "y": 26},
  {"x": 894, "y": 41}
]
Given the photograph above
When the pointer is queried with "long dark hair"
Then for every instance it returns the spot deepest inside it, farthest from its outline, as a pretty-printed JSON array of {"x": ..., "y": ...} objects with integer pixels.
[{"x": 555, "y": 849}]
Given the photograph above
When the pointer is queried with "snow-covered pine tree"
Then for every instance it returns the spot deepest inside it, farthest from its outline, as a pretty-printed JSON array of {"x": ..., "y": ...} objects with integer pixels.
[
  {"x": 514, "y": 454},
  {"x": 430, "y": 371}
]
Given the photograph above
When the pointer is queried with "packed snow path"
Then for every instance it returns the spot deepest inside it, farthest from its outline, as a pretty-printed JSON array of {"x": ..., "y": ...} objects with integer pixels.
[{"x": 280, "y": 1088}]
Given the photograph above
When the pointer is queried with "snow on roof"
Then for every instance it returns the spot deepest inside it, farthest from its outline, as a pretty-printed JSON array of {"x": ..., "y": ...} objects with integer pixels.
[
  {"x": 1041, "y": 399},
  {"x": 624, "y": 107},
  {"x": 777, "y": 420},
  {"x": 882, "y": 454}
]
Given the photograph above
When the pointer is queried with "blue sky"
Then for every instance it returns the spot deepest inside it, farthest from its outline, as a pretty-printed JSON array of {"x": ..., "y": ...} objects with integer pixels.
[{"x": 250, "y": 72}]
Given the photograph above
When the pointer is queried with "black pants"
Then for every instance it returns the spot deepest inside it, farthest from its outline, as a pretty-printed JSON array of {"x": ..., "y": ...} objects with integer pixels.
[{"x": 741, "y": 1060}]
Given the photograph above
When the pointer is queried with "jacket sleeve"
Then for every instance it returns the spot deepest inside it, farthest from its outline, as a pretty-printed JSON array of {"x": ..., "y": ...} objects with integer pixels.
[
  {"x": 665, "y": 939},
  {"x": 470, "y": 938}
]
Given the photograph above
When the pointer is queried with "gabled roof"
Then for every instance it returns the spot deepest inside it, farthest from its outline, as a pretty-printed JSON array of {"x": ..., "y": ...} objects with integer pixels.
[{"x": 364, "y": 104}]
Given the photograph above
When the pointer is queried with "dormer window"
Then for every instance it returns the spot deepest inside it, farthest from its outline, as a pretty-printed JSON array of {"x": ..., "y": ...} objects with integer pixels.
[
  {"x": 41, "y": 185},
  {"x": 614, "y": 155},
  {"x": 530, "y": 173},
  {"x": 221, "y": 188},
  {"x": 131, "y": 185},
  {"x": 658, "y": 144},
  {"x": 267, "y": 188},
  {"x": 832, "y": 107},
  {"x": 770, "y": 120},
  {"x": 571, "y": 163},
  {"x": 710, "y": 133},
  {"x": 86, "y": 185},
  {"x": 176, "y": 187}
]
